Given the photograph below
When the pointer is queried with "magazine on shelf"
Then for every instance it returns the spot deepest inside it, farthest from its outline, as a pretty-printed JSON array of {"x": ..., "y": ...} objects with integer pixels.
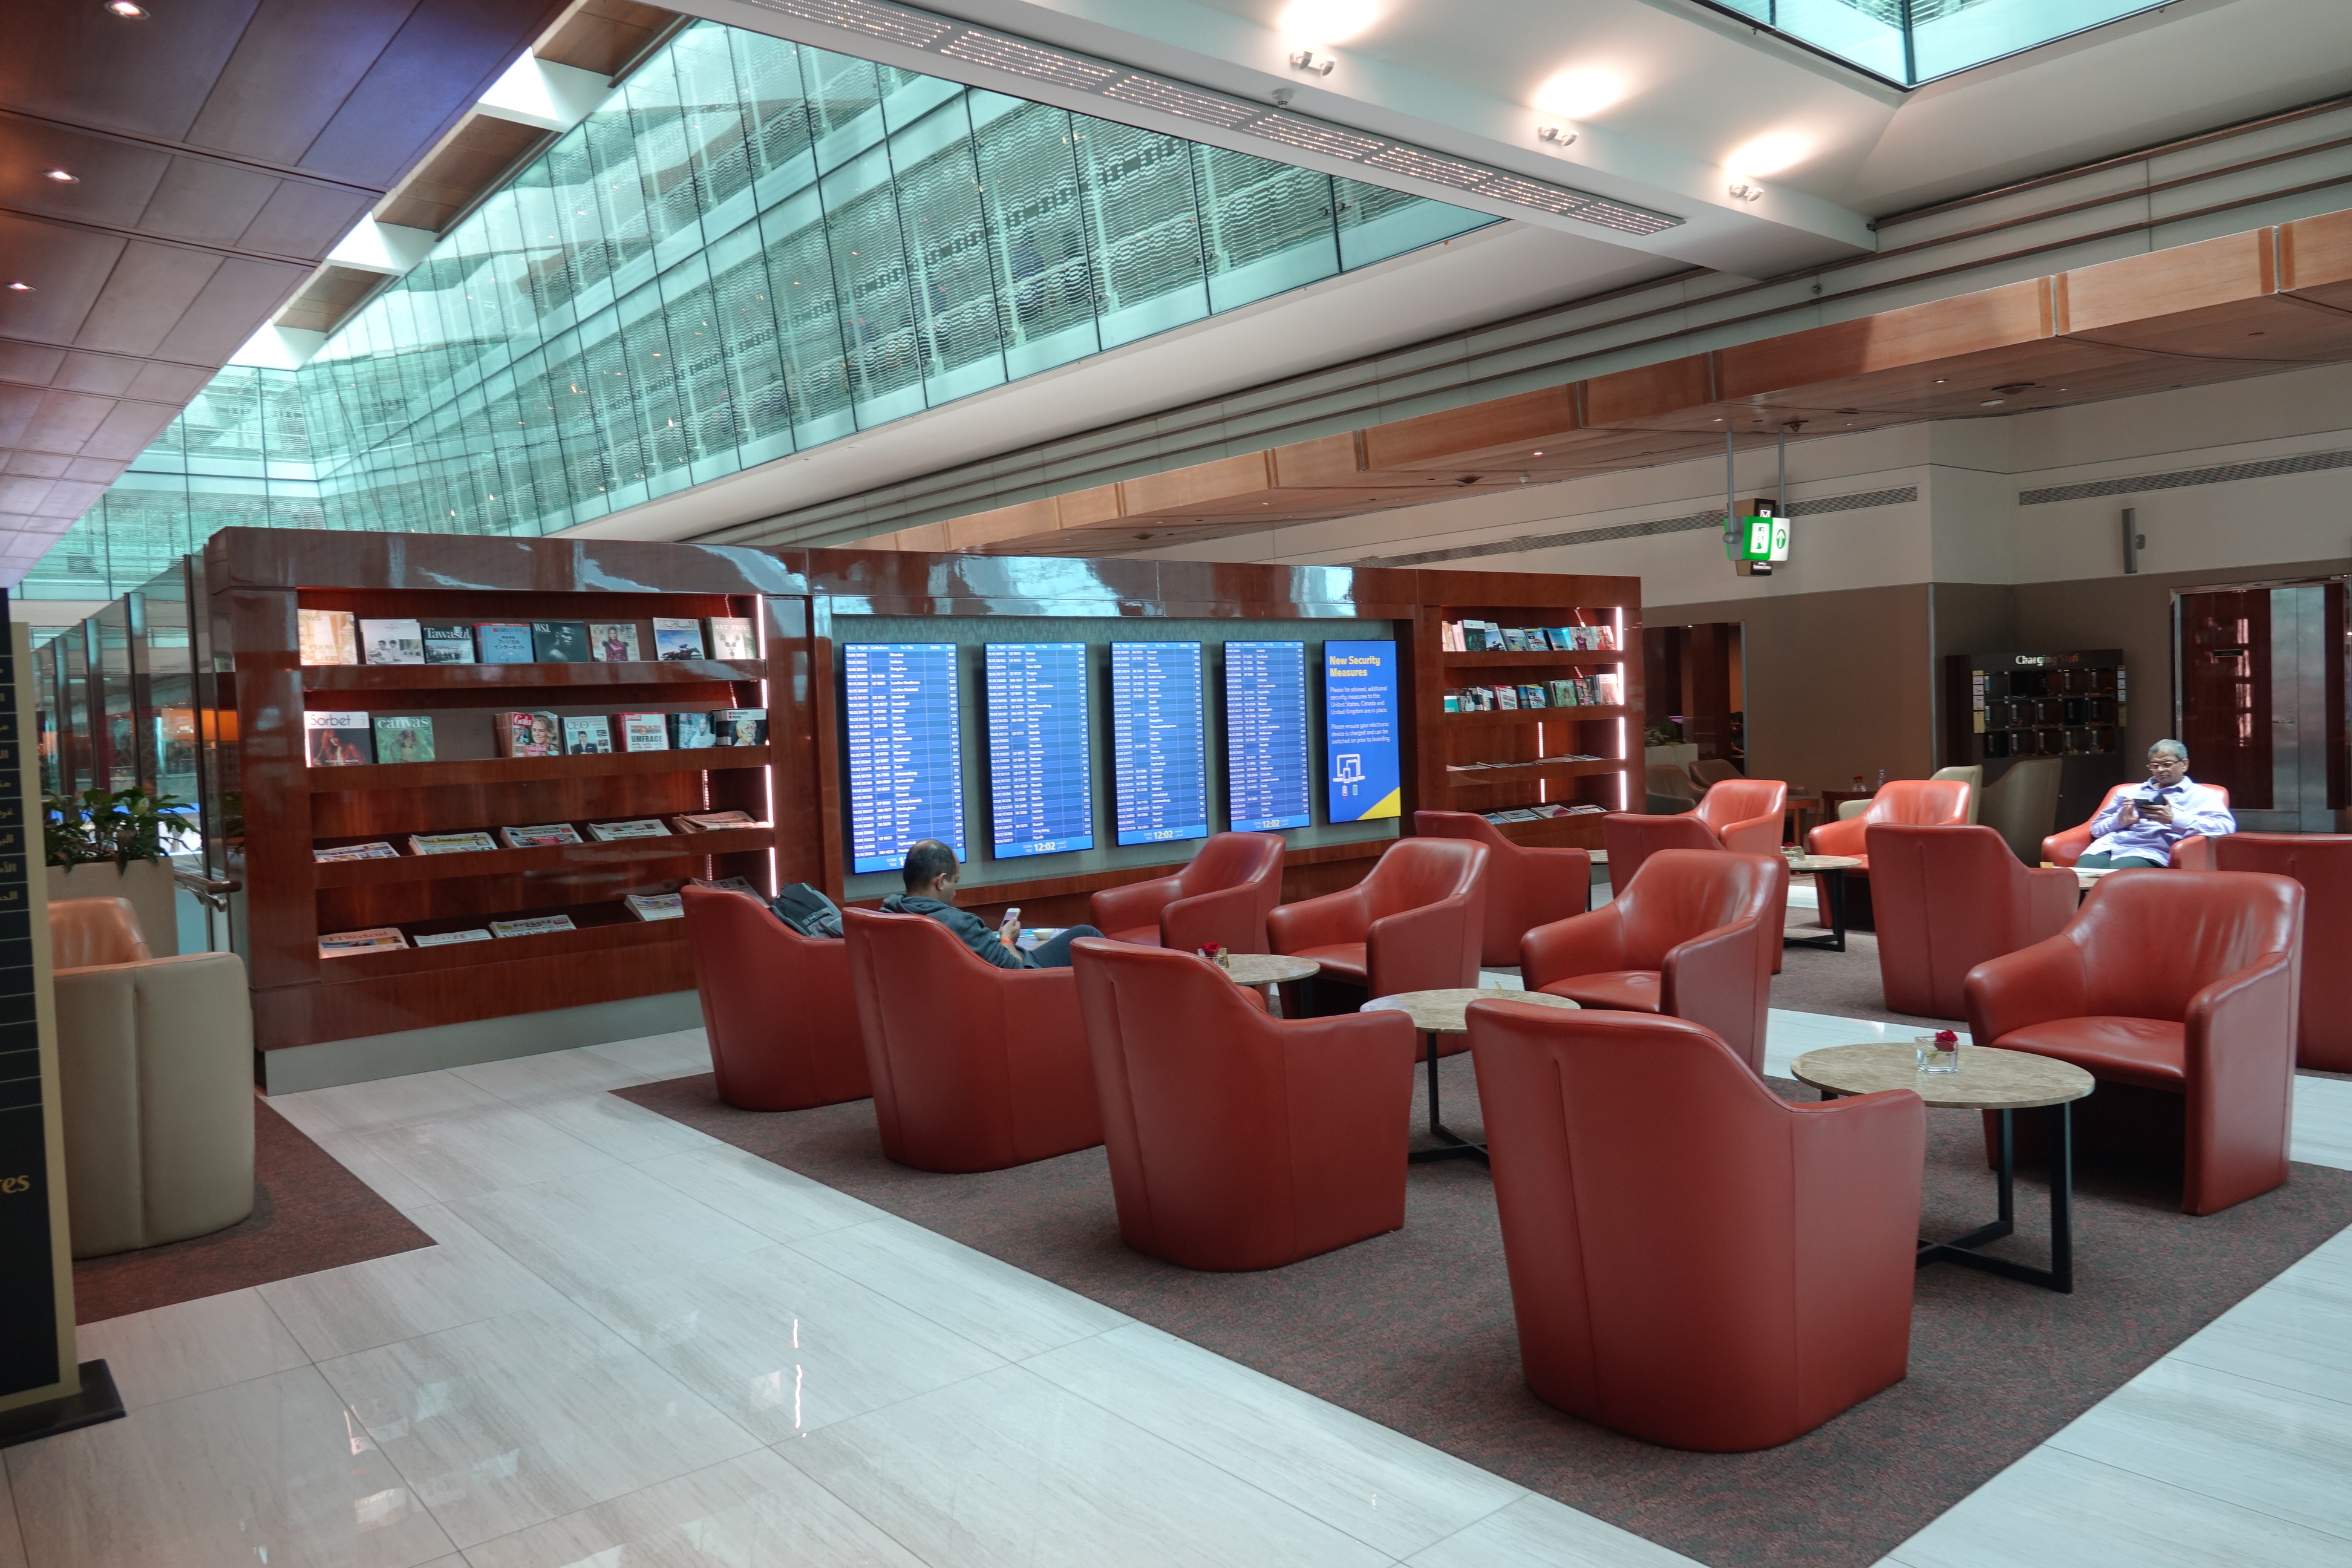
[
  {"x": 336, "y": 740},
  {"x": 327, "y": 636},
  {"x": 638, "y": 827},
  {"x": 1531, "y": 695},
  {"x": 727, "y": 885},
  {"x": 656, "y": 906},
  {"x": 449, "y": 843},
  {"x": 447, "y": 642},
  {"x": 614, "y": 642},
  {"x": 715, "y": 821},
  {"x": 374, "y": 939},
  {"x": 405, "y": 738},
  {"x": 740, "y": 726},
  {"x": 379, "y": 850},
  {"x": 676, "y": 639},
  {"x": 690, "y": 732},
  {"x": 502, "y": 642},
  {"x": 545, "y": 836},
  {"x": 391, "y": 642},
  {"x": 531, "y": 925},
  {"x": 587, "y": 737},
  {"x": 1611, "y": 688},
  {"x": 559, "y": 642},
  {"x": 644, "y": 731},
  {"x": 731, "y": 638},
  {"x": 444, "y": 938},
  {"x": 527, "y": 734}
]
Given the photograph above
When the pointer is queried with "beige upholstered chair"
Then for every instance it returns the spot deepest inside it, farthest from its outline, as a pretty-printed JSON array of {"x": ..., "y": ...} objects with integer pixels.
[
  {"x": 1972, "y": 776},
  {"x": 2021, "y": 806},
  {"x": 155, "y": 1058},
  {"x": 1710, "y": 772}
]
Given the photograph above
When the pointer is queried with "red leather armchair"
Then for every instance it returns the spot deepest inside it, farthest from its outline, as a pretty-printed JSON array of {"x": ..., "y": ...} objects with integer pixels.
[
  {"x": 1525, "y": 887},
  {"x": 1915, "y": 803},
  {"x": 2322, "y": 862},
  {"x": 2183, "y": 984},
  {"x": 1691, "y": 937},
  {"x": 2194, "y": 853},
  {"x": 1237, "y": 1141},
  {"x": 1413, "y": 924},
  {"x": 776, "y": 1005},
  {"x": 1694, "y": 1261},
  {"x": 1221, "y": 896},
  {"x": 1948, "y": 899},
  {"x": 1743, "y": 816},
  {"x": 974, "y": 1067}
]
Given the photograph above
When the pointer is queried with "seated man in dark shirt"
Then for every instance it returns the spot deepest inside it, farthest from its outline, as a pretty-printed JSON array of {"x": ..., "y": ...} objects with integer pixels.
[{"x": 932, "y": 874}]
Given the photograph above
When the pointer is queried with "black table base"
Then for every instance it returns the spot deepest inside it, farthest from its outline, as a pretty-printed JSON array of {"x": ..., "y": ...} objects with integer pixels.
[
  {"x": 2060, "y": 1274},
  {"x": 1832, "y": 887},
  {"x": 1456, "y": 1146}
]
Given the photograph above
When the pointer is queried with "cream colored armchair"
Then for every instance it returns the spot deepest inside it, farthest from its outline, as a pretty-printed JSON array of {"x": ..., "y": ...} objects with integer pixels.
[{"x": 155, "y": 1058}]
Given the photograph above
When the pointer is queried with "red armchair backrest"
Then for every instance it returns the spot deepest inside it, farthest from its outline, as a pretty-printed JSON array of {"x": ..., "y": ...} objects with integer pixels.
[
  {"x": 2149, "y": 943},
  {"x": 1947, "y": 899},
  {"x": 1675, "y": 1272},
  {"x": 1632, "y": 839},
  {"x": 1736, "y": 801},
  {"x": 1524, "y": 888},
  {"x": 1252, "y": 860},
  {"x": 1684, "y": 893},
  {"x": 777, "y": 1007},
  {"x": 1920, "y": 802},
  {"x": 1414, "y": 873},
  {"x": 974, "y": 1067},
  {"x": 2322, "y": 862}
]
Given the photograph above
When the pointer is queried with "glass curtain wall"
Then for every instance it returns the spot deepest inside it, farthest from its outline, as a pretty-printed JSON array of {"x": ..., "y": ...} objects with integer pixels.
[
  {"x": 1915, "y": 41},
  {"x": 750, "y": 249}
]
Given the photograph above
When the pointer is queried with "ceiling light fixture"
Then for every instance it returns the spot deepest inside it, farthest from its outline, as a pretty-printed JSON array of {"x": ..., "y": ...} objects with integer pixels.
[
  {"x": 1326, "y": 21},
  {"x": 1581, "y": 93},
  {"x": 20, "y": 286},
  {"x": 1305, "y": 60},
  {"x": 1745, "y": 191},
  {"x": 126, "y": 10},
  {"x": 1557, "y": 135},
  {"x": 1770, "y": 153},
  {"x": 61, "y": 177}
]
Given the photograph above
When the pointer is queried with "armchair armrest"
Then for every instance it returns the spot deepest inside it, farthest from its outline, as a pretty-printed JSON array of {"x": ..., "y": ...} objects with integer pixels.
[
  {"x": 2066, "y": 847},
  {"x": 2050, "y": 897},
  {"x": 1422, "y": 949},
  {"x": 1187, "y": 924},
  {"x": 1319, "y": 922},
  {"x": 2194, "y": 853},
  {"x": 2031, "y": 985},
  {"x": 1590, "y": 943},
  {"x": 1136, "y": 904},
  {"x": 1756, "y": 836},
  {"x": 1573, "y": 865},
  {"x": 1859, "y": 1163},
  {"x": 1710, "y": 980},
  {"x": 1844, "y": 836},
  {"x": 2240, "y": 1035}
]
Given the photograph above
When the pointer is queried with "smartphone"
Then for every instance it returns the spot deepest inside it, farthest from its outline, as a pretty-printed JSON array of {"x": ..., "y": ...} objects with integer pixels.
[{"x": 1011, "y": 917}]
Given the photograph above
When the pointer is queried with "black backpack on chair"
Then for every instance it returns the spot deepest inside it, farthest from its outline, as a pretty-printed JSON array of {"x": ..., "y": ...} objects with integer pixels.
[{"x": 806, "y": 910}]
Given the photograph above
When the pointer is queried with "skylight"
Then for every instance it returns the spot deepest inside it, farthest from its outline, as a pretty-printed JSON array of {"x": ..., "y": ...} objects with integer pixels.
[{"x": 1913, "y": 41}]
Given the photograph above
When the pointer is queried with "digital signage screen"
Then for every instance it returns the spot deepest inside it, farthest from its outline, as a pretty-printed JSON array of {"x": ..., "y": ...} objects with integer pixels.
[
  {"x": 902, "y": 733},
  {"x": 1268, "y": 786},
  {"x": 1360, "y": 730},
  {"x": 1040, "y": 759},
  {"x": 1158, "y": 751}
]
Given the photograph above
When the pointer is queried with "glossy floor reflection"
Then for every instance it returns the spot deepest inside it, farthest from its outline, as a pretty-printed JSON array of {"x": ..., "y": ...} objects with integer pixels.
[{"x": 633, "y": 1346}]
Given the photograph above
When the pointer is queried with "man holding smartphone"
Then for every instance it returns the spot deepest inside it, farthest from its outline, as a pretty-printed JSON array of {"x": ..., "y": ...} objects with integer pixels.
[
  {"x": 932, "y": 874},
  {"x": 2140, "y": 827}
]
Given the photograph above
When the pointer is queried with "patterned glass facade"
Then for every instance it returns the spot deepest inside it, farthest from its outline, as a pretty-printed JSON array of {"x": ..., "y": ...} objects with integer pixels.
[{"x": 751, "y": 248}]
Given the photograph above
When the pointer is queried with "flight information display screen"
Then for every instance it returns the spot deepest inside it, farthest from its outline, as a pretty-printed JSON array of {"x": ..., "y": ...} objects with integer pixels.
[
  {"x": 902, "y": 731},
  {"x": 1040, "y": 762},
  {"x": 1361, "y": 729},
  {"x": 1267, "y": 786},
  {"x": 1158, "y": 751}
]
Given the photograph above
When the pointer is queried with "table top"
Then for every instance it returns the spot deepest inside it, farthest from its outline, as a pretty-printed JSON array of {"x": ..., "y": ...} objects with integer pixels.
[
  {"x": 1800, "y": 864},
  {"x": 1989, "y": 1079},
  {"x": 1269, "y": 968},
  {"x": 1442, "y": 1012}
]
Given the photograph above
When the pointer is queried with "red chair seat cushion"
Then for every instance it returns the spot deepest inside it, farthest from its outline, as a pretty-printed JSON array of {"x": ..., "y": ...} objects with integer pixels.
[
  {"x": 1346, "y": 961},
  {"x": 2151, "y": 1052},
  {"x": 1137, "y": 936},
  {"x": 1614, "y": 990}
]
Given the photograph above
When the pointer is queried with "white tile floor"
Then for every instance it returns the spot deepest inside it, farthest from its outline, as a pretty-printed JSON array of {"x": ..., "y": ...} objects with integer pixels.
[{"x": 635, "y": 1346}]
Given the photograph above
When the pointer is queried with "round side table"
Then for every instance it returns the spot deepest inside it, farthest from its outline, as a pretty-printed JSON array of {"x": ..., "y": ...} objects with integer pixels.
[
  {"x": 1989, "y": 1079},
  {"x": 1828, "y": 872},
  {"x": 1261, "y": 971},
  {"x": 1436, "y": 1012}
]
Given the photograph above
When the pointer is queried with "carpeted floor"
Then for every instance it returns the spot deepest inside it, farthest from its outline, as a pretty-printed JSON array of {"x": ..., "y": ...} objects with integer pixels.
[
  {"x": 1414, "y": 1328},
  {"x": 309, "y": 1214},
  {"x": 1843, "y": 985}
]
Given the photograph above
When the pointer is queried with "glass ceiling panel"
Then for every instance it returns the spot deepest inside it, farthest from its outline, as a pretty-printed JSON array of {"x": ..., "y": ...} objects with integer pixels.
[{"x": 1913, "y": 41}]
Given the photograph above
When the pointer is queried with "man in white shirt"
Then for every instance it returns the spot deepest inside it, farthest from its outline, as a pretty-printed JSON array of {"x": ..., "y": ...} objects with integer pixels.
[{"x": 2140, "y": 827}]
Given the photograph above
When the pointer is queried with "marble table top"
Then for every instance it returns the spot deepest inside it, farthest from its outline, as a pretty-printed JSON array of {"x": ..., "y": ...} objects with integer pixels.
[
  {"x": 1989, "y": 1079},
  {"x": 1442, "y": 1012},
  {"x": 1800, "y": 864},
  {"x": 1269, "y": 968}
]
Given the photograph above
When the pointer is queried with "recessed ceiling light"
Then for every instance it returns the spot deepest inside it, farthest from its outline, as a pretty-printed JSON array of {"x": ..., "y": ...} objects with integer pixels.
[
  {"x": 61, "y": 177},
  {"x": 1941, "y": 379},
  {"x": 1581, "y": 92},
  {"x": 1326, "y": 21},
  {"x": 20, "y": 286},
  {"x": 124, "y": 8},
  {"x": 1993, "y": 403},
  {"x": 1770, "y": 153},
  {"x": 1535, "y": 454}
]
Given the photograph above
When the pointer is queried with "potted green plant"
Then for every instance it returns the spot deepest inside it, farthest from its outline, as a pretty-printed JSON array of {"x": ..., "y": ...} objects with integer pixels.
[{"x": 116, "y": 844}]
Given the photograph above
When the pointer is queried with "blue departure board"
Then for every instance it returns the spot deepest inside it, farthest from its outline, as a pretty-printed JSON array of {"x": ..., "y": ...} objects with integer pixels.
[
  {"x": 1267, "y": 784},
  {"x": 904, "y": 736},
  {"x": 1040, "y": 765},
  {"x": 1159, "y": 754}
]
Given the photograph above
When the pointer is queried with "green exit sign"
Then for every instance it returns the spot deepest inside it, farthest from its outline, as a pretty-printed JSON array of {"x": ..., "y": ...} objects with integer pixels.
[{"x": 1756, "y": 539}]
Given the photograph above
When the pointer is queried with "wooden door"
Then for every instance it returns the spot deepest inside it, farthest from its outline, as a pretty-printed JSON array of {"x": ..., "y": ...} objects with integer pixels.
[{"x": 2225, "y": 692}]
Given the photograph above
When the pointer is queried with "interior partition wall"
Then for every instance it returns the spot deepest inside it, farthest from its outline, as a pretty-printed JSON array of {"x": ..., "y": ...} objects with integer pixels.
[{"x": 751, "y": 248}]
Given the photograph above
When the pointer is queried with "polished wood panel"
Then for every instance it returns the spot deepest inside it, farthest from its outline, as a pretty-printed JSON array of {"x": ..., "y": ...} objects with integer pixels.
[
  {"x": 2316, "y": 259},
  {"x": 1498, "y": 430}
]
